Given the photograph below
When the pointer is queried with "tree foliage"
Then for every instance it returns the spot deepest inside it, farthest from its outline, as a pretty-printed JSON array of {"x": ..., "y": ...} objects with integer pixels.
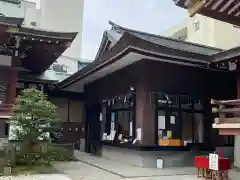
[{"x": 34, "y": 117}]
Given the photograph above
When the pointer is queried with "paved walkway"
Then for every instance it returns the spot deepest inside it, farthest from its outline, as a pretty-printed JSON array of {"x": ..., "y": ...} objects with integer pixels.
[
  {"x": 126, "y": 171},
  {"x": 82, "y": 171},
  {"x": 96, "y": 168},
  {"x": 37, "y": 177}
]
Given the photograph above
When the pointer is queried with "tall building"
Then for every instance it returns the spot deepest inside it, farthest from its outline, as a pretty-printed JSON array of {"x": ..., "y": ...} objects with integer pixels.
[
  {"x": 67, "y": 16},
  {"x": 60, "y": 16},
  {"x": 207, "y": 31}
]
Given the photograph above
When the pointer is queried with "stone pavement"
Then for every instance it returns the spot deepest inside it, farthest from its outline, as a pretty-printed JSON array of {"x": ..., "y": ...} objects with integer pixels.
[
  {"x": 106, "y": 169},
  {"x": 83, "y": 171},
  {"x": 130, "y": 171},
  {"x": 96, "y": 168},
  {"x": 37, "y": 177}
]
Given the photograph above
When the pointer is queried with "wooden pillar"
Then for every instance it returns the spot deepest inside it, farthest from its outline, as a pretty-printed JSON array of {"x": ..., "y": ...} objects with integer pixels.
[
  {"x": 144, "y": 115},
  {"x": 12, "y": 89},
  {"x": 238, "y": 85}
]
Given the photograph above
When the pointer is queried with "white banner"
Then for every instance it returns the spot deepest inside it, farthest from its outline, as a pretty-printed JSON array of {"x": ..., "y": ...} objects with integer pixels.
[{"x": 213, "y": 162}]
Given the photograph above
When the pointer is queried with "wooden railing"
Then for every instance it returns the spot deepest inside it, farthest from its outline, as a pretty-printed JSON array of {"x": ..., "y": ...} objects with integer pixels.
[
  {"x": 228, "y": 111},
  {"x": 5, "y": 110}
]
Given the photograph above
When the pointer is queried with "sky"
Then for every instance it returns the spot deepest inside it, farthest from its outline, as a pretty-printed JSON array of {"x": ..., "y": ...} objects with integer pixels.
[{"x": 154, "y": 16}]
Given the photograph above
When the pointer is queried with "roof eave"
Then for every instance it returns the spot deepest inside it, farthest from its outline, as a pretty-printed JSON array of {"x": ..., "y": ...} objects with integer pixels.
[
  {"x": 24, "y": 31},
  {"x": 125, "y": 43},
  {"x": 209, "y": 9},
  {"x": 11, "y": 21}
]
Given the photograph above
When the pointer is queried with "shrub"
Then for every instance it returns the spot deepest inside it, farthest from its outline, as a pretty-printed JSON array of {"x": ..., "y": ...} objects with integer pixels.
[{"x": 34, "y": 118}]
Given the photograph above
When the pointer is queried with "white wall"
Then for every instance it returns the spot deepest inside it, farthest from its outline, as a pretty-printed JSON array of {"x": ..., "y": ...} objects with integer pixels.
[
  {"x": 67, "y": 16},
  {"x": 211, "y": 32},
  {"x": 70, "y": 63},
  {"x": 226, "y": 35},
  {"x": 205, "y": 34},
  {"x": 31, "y": 14}
]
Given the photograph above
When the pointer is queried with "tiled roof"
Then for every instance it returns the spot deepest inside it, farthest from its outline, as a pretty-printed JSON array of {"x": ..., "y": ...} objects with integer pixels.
[{"x": 168, "y": 42}]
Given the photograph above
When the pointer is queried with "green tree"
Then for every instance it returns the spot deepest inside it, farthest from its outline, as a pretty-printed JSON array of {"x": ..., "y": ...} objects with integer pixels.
[{"x": 34, "y": 118}]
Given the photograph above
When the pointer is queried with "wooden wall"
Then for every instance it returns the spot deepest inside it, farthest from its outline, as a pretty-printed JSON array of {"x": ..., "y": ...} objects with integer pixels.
[{"x": 149, "y": 76}]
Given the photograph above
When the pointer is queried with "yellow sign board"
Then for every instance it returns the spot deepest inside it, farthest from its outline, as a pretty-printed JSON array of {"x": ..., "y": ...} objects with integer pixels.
[{"x": 169, "y": 134}]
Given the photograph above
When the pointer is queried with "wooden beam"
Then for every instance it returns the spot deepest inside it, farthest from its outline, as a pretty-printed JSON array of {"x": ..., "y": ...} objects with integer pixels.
[
  {"x": 225, "y": 102},
  {"x": 229, "y": 110},
  {"x": 227, "y": 126},
  {"x": 12, "y": 30},
  {"x": 196, "y": 6},
  {"x": 227, "y": 120}
]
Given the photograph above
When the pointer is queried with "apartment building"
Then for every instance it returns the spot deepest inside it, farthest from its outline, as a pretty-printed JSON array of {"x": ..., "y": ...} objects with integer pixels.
[{"x": 207, "y": 31}]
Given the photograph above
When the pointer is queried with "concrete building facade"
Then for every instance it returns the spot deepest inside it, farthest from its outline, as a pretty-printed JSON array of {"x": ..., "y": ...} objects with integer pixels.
[{"x": 206, "y": 31}]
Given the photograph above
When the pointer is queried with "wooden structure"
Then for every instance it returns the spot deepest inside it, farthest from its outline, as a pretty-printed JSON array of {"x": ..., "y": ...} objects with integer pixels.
[
  {"x": 134, "y": 88},
  {"x": 25, "y": 54},
  {"x": 228, "y": 119},
  {"x": 223, "y": 10}
]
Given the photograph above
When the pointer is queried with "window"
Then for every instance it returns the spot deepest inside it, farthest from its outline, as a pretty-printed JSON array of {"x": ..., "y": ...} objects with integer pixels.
[
  {"x": 33, "y": 24},
  {"x": 118, "y": 115},
  {"x": 186, "y": 102},
  {"x": 59, "y": 68},
  {"x": 197, "y": 26},
  {"x": 198, "y": 105},
  {"x": 180, "y": 117},
  {"x": 123, "y": 119},
  {"x": 162, "y": 99},
  {"x": 33, "y": 86}
]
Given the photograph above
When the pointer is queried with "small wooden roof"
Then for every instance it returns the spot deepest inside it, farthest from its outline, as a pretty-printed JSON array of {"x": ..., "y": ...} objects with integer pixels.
[
  {"x": 223, "y": 10},
  {"x": 38, "y": 48}
]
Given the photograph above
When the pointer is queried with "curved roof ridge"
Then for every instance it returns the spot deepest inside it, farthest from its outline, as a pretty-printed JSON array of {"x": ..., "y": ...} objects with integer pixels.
[{"x": 121, "y": 28}]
